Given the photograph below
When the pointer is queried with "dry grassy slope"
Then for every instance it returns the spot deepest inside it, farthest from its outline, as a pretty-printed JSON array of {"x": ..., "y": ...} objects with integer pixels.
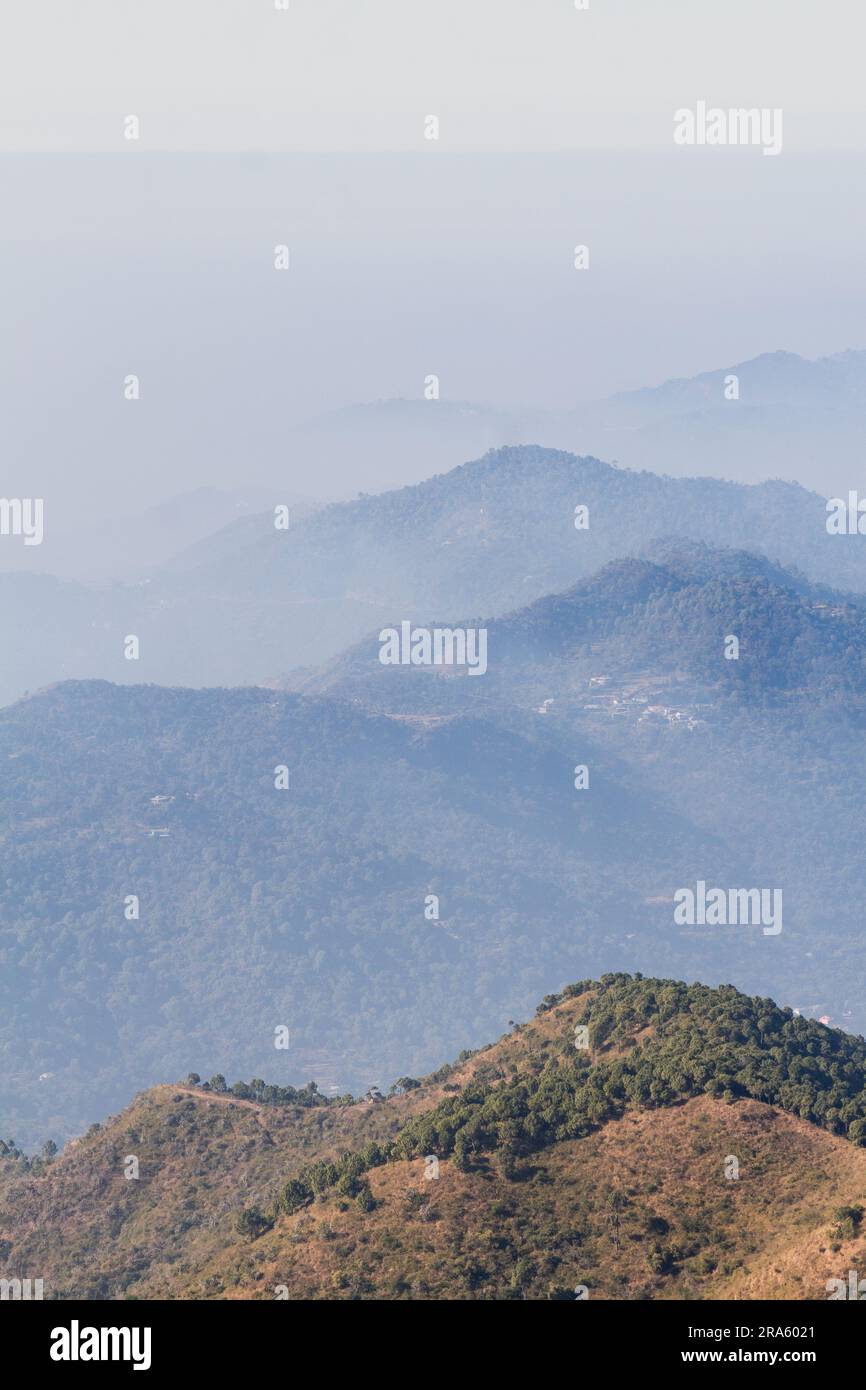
[
  {"x": 90, "y": 1232},
  {"x": 766, "y": 1235}
]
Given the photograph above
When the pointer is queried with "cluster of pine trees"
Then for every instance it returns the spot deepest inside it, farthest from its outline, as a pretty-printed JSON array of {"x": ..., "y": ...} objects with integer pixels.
[{"x": 694, "y": 1041}]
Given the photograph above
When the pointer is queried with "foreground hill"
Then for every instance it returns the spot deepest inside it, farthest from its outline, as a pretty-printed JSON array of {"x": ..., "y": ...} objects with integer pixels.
[
  {"x": 529, "y": 1169},
  {"x": 253, "y": 602}
]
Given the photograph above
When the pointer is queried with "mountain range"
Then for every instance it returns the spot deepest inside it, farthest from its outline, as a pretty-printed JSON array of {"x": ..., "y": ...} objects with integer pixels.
[
  {"x": 378, "y": 853},
  {"x": 254, "y": 602},
  {"x": 777, "y": 415}
]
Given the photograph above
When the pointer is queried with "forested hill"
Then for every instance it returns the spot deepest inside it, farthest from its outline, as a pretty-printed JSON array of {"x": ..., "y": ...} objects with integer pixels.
[
  {"x": 537, "y": 1167},
  {"x": 673, "y": 613},
  {"x": 488, "y": 537},
  {"x": 500, "y": 530}
]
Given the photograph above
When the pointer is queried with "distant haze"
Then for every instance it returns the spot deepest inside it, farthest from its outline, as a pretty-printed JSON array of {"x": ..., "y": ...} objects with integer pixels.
[
  {"x": 409, "y": 257},
  {"x": 401, "y": 266}
]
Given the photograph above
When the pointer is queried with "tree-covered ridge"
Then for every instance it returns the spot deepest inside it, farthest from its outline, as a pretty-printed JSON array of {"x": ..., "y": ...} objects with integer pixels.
[
  {"x": 703, "y": 1041},
  {"x": 265, "y": 1093},
  {"x": 651, "y": 1043},
  {"x": 487, "y": 537},
  {"x": 670, "y": 613}
]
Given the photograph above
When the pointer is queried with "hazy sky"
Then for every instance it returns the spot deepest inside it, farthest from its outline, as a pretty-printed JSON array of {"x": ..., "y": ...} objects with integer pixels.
[
  {"x": 360, "y": 74},
  {"x": 408, "y": 256}
]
